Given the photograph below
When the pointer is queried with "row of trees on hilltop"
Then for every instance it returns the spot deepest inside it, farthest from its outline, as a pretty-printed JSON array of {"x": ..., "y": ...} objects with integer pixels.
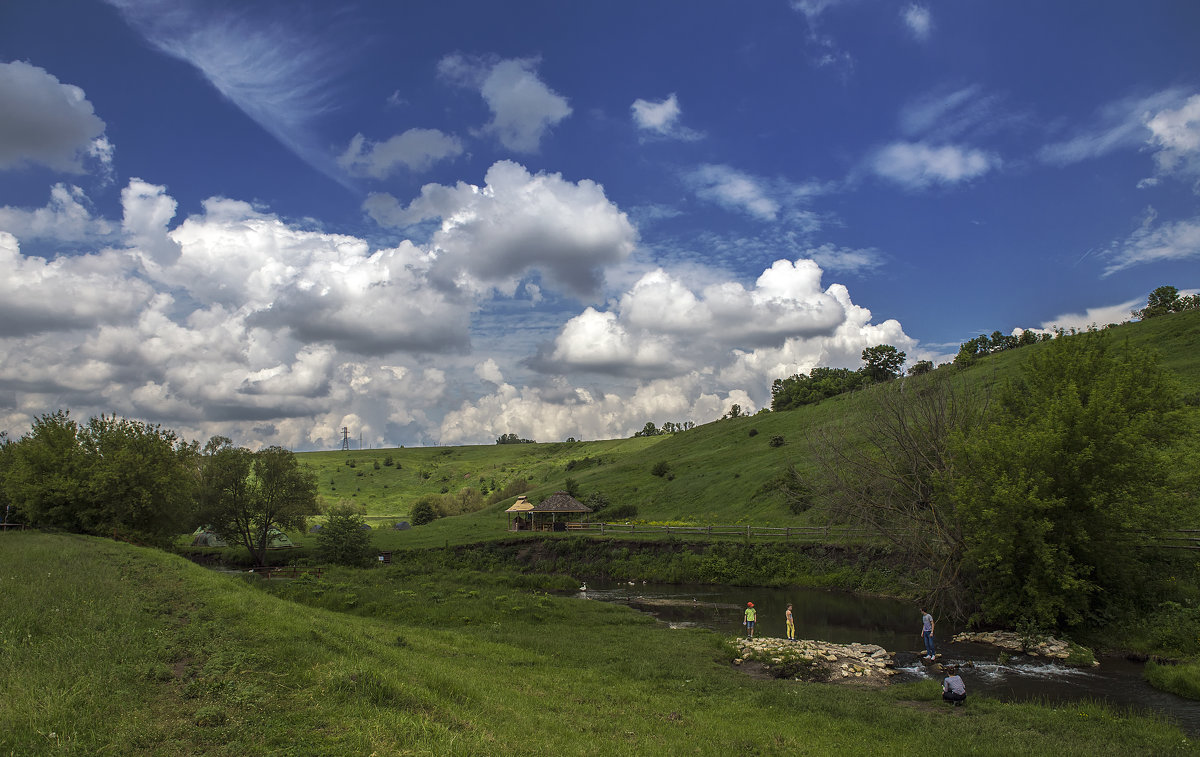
[
  {"x": 881, "y": 363},
  {"x": 1167, "y": 299},
  {"x": 670, "y": 427},
  {"x": 113, "y": 476}
]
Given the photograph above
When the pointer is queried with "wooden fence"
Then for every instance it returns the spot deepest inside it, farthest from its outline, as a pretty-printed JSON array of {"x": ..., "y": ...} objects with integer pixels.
[
  {"x": 1175, "y": 539},
  {"x": 775, "y": 533},
  {"x": 1185, "y": 538}
]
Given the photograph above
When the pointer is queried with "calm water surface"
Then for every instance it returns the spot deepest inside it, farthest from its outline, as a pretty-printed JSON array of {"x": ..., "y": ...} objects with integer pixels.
[{"x": 896, "y": 626}]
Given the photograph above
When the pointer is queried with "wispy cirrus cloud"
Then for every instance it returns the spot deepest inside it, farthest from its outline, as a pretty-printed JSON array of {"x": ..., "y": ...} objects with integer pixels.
[
  {"x": 277, "y": 73},
  {"x": 917, "y": 165},
  {"x": 735, "y": 190},
  {"x": 1122, "y": 124},
  {"x": 1154, "y": 243}
]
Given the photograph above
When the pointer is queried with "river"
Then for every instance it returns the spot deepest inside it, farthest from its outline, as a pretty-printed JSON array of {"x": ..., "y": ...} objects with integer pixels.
[{"x": 895, "y": 625}]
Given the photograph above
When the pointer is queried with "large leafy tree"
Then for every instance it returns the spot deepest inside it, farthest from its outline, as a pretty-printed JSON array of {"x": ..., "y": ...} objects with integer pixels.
[
  {"x": 882, "y": 362},
  {"x": 246, "y": 495},
  {"x": 1057, "y": 491},
  {"x": 110, "y": 475}
]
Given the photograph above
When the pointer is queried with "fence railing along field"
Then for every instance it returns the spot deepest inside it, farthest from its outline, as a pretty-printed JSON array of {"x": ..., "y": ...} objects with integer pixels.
[
  {"x": 784, "y": 533},
  {"x": 1175, "y": 539}
]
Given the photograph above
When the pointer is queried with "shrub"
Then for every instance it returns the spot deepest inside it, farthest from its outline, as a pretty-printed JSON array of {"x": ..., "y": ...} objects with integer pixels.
[
  {"x": 343, "y": 540},
  {"x": 753, "y": 432},
  {"x": 621, "y": 512},
  {"x": 661, "y": 468},
  {"x": 597, "y": 501},
  {"x": 423, "y": 512},
  {"x": 776, "y": 441}
]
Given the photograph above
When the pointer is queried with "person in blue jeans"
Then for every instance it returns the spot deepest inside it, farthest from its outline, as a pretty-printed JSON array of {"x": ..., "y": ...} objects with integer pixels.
[{"x": 927, "y": 634}]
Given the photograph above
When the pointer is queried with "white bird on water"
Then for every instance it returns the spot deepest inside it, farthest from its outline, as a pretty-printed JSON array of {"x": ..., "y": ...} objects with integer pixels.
[{"x": 583, "y": 588}]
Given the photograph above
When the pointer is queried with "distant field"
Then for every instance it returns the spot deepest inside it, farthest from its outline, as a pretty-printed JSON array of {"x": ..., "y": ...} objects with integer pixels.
[{"x": 725, "y": 472}]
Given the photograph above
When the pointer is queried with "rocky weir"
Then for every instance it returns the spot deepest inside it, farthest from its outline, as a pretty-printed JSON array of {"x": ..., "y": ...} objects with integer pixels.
[
  {"x": 1046, "y": 646},
  {"x": 809, "y": 660}
]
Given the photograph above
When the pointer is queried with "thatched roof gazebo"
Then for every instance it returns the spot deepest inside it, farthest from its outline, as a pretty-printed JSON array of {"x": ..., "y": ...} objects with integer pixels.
[
  {"x": 557, "y": 510},
  {"x": 517, "y": 518}
]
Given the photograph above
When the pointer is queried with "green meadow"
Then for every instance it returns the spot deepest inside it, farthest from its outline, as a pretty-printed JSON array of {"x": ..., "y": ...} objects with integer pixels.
[
  {"x": 108, "y": 648},
  {"x": 471, "y": 642}
]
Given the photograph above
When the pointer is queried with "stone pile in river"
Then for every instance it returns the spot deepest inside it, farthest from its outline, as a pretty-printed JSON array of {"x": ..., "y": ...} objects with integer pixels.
[
  {"x": 1046, "y": 646},
  {"x": 816, "y": 660}
]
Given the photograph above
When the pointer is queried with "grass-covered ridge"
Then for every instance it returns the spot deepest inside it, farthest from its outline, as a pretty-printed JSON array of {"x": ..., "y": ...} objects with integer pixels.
[
  {"x": 111, "y": 649},
  {"x": 726, "y": 472}
]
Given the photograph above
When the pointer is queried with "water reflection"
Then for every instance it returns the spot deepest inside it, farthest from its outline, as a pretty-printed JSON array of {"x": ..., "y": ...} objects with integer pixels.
[{"x": 844, "y": 618}]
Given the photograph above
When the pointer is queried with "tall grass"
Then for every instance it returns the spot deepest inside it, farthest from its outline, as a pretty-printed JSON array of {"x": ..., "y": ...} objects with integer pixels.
[{"x": 113, "y": 649}]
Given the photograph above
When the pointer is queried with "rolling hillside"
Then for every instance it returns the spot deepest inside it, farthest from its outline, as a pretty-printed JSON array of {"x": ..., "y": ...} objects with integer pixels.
[{"x": 724, "y": 472}]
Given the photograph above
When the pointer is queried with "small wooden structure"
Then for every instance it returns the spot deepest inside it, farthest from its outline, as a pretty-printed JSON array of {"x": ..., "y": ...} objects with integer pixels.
[
  {"x": 553, "y": 513},
  {"x": 519, "y": 518}
]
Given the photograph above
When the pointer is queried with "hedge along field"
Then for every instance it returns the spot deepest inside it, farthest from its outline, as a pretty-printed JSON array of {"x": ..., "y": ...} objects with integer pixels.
[
  {"x": 725, "y": 472},
  {"x": 107, "y": 648}
]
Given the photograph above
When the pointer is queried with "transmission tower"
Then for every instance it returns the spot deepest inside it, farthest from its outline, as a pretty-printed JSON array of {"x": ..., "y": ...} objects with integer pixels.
[{"x": 345, "y": 439}]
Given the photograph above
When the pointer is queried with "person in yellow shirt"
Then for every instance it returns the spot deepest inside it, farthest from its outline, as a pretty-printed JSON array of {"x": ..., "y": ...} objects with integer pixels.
[
  {"x": 791, "y": 626},
  {"x": 751, "y": 616}
]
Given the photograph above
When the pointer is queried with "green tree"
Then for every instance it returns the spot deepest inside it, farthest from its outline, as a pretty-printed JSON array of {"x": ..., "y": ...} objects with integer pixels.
[
  {"x": 883, "y": 362},
  {"x": 1163, "y": 300},
  {"x": 45, "y": 475},
  {"x": 245, "y": 495},
  {"x": 142, "y": 477},
  {"x": 920, "y": 368},
  {"x": 111, "y": 475},
  {"x": 648, "y": 430},
  {"x": 1057, "y": 491},
  {"x": 423, "y": 512},
  {"x": 343, "y": 540}
]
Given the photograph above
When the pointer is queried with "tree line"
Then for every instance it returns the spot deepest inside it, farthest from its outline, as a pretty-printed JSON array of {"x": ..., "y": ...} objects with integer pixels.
[
  {"x": 880, "y": 363},
  {"x": 141, "y": 482}
]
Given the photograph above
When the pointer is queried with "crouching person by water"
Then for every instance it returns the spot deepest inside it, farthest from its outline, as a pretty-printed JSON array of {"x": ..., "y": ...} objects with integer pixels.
[
  {"x": 751, "y": 616},
  {"x": 953, "y": 688}
]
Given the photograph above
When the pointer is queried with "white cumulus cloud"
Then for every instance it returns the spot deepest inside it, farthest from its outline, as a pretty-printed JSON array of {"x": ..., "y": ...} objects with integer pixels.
[
  {"x": 415, "y": 149},
  {"x": 47, "y": 122},
  {"x": 662, "y": 118},
  {"x": 523, "y": 108},
  {"x": 517, "y": 222}
]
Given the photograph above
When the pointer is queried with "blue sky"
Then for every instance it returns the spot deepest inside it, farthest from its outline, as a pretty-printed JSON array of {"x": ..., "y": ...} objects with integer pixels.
[{"x": 435, "y": 223}]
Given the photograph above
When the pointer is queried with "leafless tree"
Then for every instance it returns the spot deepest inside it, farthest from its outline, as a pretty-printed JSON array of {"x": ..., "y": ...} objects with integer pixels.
[{"x": 890, "y": 473}]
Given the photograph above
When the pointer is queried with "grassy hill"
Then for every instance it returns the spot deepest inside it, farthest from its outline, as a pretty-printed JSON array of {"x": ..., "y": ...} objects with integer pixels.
[
  {"x": 106, "y": 648},
  {"x": 726, "y": 472}
]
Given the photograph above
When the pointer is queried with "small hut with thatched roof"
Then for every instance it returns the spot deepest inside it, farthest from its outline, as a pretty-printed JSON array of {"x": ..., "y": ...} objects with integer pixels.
[
  {"x": 518, "y": 514},
  {"x": 556, "y": 511}
]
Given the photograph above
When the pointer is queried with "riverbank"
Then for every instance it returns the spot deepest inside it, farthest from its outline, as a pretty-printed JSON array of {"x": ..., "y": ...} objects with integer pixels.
[{"x": 424, "y": 659}]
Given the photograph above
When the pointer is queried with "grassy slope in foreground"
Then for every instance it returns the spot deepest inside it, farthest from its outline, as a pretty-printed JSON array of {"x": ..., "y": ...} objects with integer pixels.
[{"x": 112, "y": 649}]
